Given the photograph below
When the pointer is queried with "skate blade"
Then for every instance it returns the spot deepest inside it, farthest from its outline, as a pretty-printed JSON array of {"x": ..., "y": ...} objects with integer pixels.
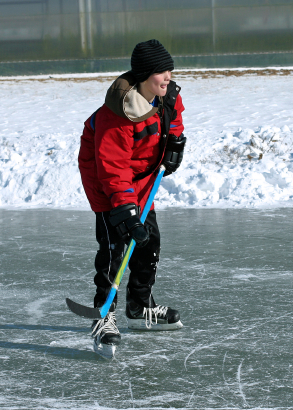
[
  {"x": 106, "y": 351},
  {"x": 139, "y": 324}
]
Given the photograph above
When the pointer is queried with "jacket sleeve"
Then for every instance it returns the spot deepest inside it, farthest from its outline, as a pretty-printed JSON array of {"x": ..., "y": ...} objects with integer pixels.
[
  {"x": 113, "y": 152},
  {"x": 176, "y": 126}
]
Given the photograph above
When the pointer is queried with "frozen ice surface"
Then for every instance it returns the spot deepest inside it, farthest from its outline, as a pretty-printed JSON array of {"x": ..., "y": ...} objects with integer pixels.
[
  {"x": 229, "y": 272},
  {"x": 239, "y": 148}
]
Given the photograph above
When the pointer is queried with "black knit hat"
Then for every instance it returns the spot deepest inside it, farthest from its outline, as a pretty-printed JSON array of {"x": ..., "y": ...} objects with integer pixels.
[{"x": 148, "y": 58}]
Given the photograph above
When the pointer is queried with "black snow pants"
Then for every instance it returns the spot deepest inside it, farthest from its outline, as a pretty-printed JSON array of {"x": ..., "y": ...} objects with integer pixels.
[{"x": 142, "y": 265}]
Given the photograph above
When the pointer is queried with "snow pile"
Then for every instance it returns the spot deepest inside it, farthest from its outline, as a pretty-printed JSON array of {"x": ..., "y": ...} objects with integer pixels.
[
  {"x": 239, "y": 151},
  {"x": 249, "y": 168},
  {"x": 40, "y": 172}
]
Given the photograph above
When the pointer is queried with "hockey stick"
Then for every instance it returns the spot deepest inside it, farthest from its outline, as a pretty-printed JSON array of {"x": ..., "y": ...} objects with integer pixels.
[{"x": 100, "y": 313}]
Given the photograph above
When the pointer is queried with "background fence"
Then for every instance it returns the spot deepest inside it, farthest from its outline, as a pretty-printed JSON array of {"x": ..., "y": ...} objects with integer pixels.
[{"x": 99, "y": 35}]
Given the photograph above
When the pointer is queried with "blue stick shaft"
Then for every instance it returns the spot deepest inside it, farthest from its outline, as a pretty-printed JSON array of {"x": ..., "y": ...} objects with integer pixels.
[
  {"x": 152, "y": 194},
  {"x": 105, "y": 308}
]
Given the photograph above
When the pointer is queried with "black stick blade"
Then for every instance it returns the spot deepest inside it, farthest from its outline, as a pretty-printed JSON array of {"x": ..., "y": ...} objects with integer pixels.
[{"x": 84, "y": 311}]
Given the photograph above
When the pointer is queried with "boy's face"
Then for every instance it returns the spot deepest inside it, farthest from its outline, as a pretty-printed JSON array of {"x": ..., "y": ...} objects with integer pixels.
[{"x": 157, "y": 83}]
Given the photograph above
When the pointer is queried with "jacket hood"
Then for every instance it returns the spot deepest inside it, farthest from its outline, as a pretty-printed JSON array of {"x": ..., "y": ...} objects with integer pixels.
[{"x": 124, "y": 100}]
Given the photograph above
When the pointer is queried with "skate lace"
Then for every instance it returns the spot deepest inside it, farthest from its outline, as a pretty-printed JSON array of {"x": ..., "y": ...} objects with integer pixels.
[
  {"x": 156, "y": 311},
  {"x": 106, "y": 324}
]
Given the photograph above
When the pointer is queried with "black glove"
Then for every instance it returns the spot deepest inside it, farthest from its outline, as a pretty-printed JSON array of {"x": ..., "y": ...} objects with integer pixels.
[
  {"x": 173, "y": 153},
  {"x": 126, "y": 220}
]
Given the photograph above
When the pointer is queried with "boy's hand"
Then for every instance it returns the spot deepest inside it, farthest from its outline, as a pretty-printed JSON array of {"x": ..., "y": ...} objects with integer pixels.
[
  {"x": 173, "y": 153},
  {"x": 126, "y": 220}
]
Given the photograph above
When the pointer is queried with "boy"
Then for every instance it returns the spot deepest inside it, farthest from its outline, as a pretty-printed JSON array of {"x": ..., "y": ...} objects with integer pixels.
[{"x": 123, "y": 144}]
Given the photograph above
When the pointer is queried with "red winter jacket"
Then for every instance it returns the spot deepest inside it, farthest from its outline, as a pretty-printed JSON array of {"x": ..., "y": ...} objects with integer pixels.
[{"x": 123, "y": 144}]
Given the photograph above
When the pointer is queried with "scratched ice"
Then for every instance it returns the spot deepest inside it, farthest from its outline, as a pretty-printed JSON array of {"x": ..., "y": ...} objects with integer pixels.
[{"x": 229, "y": 272}]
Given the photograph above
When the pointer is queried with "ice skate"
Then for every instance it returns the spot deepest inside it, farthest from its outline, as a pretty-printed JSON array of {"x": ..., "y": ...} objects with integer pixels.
[
  {"x": 156, "y": 318},
  {"x": 106, "y": 335}
]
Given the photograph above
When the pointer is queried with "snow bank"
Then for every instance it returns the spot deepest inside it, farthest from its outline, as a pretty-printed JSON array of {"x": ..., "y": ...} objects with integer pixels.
[
  {"x": 247, "y": 168},
  {"x": 239, "y": 151}
]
